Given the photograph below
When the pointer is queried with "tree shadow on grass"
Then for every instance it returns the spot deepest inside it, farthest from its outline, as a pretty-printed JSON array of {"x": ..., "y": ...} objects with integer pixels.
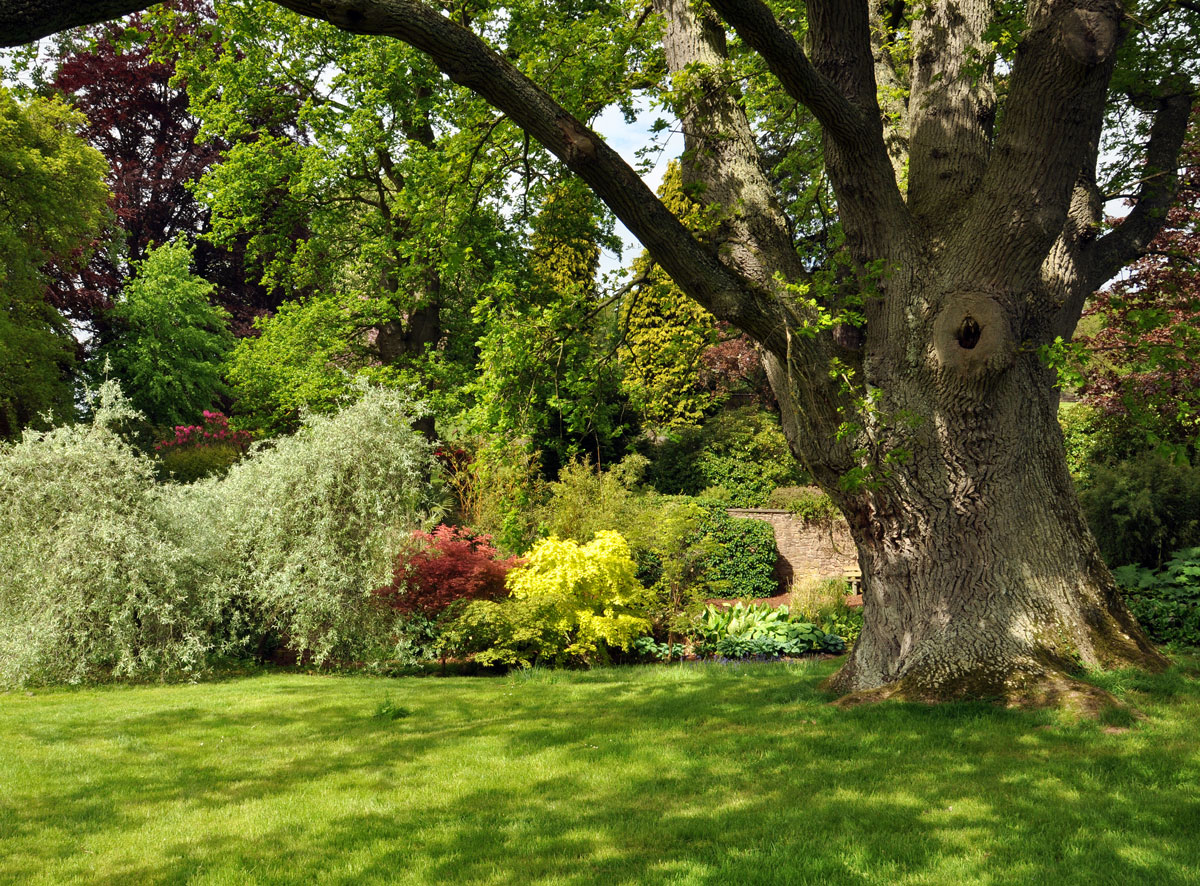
[{"x": 710, "y": 777}]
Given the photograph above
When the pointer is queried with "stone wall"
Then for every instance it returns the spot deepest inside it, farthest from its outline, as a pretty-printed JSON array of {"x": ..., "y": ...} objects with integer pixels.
[{"x": 806, "y": 550}]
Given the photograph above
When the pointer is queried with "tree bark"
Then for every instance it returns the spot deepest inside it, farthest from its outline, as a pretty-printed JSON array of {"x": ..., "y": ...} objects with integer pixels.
[{"x": 981, "y": 578}]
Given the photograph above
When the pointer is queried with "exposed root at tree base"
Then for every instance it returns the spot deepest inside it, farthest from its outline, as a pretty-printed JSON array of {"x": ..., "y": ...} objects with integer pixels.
[{"x": 1032, "y": 690}]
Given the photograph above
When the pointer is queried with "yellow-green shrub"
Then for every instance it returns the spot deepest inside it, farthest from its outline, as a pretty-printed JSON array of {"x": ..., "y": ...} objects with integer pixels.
[{"x": 569, "y": 603}]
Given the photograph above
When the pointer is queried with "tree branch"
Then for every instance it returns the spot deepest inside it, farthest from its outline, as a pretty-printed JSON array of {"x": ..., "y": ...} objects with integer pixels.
[
  {"x": 873, "y": 211},
  {"x": 1159, "y": 182},
  {"x": 761, "y": 31},
  {"x": 23, "y": 21},
  {"x": 1053, "y": 112}
]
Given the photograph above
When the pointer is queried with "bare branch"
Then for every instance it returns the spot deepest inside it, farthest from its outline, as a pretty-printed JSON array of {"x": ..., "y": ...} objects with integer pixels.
[
  {"x": 1107, "y": 255},
  {"x": 23, "y": 21}
]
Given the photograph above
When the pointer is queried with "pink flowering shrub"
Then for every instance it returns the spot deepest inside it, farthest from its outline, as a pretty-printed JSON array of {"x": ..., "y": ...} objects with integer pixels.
[
  {"x": 198, "y": 451},
  {"x": 215, "y": 431}
]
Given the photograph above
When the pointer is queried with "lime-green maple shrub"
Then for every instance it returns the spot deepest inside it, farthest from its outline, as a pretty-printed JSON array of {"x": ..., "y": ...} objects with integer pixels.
[{"x": 570, "y": 604}]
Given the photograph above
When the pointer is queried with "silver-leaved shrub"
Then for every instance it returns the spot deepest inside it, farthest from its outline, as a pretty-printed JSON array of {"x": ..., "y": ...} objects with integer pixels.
[
  {"x": 106, "y": 575},
  {"x": 311, "y": 523},
  {"x": 89, "y": 587}
]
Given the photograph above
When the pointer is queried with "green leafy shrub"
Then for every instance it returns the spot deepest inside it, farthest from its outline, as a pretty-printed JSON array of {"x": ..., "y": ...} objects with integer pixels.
[
  {"x": 741, "y": 631},
  {"x": 305, "y": 358},
  {"x": 93, "y": 584},
  {"x": 314, "y": 521},
  {"x": 648, "y": 647},
  {"x": 742, "y": 452},
  {"x": 662, "y": 533},
  {"x": 741, "y": 554},
  {"x": 823, "y": 602},
  {"x": 498, "y": 489},
  {"x": 1142, "y": 509},
  {"x": 584, "y": 500},
  {"x": 571, "y": 603},
  {"x": 807, "y": 502},
  {"x": 1166, "y": 603}
]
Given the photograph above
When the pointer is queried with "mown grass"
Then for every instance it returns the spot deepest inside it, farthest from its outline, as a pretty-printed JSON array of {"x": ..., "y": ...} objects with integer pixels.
[{"x": 673, "y": 774}]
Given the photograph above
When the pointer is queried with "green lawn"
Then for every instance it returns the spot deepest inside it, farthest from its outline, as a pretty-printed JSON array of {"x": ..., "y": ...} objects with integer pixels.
[{"x": 694, "y": 774}]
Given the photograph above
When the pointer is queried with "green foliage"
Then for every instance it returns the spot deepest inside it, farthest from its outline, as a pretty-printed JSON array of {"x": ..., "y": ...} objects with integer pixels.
[
  {"x": 499, "y": 491},
  {"x": 662, "y": 531},
  {"x": 742, "y": 631},
  {"x": 52, "y": 200},
  {"x": 1166, "y": 602},
  {"x": 824, "y": 604},
  {"x": 546, "y": 340},
  {"x": 809, "y": 503},
  {"x": 168, "y": 342},
  {"x": 742, "y": 554},
  {"x": 740, "y": 455},
  {"x": 304, "y": 358},
  {"x": 1142, "y": 509},
  {"x": 93, "y": 582},
  {"x": 584, "y": 500},
  {"x": 389, "y": 709},
  {"x": 192, "y": 463},
  {"x": 309, "y": 526},
  {"x": 666, "y": 333},
  {"x": 1083, "y": 438},
  {"x": 648, "y": 647},
  {"x": 570, "y": 603}
]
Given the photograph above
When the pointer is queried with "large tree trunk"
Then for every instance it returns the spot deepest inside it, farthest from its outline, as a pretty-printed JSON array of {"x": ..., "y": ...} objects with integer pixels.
[{"x": 980, "y": 576}]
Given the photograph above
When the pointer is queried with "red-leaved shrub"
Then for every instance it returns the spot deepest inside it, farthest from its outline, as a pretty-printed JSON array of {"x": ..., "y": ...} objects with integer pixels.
[{"x": 443, "y": 567}]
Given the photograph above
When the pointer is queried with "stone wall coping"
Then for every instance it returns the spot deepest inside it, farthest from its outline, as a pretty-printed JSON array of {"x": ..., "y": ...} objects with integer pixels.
[{"x": 732, "y": 511}]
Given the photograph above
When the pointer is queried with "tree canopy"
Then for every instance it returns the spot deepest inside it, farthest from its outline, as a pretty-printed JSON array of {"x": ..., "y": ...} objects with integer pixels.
[{"x": 52, "y": 200}]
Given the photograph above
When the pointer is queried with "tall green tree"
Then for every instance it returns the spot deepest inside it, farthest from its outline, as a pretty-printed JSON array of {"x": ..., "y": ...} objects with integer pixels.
[
  {"x": 961, "y": 141},
  {"x": 665, "y": 333},
  {"x": 167, "y": 343},
  {"x": 52, "y": 200},
  {"x": 547, "y": 366}
]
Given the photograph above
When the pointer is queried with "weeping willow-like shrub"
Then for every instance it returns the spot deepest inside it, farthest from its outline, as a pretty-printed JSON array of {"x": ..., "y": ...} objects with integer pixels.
[
  {"x": 90, "y": 587},
  {"x": 311, "y": 524},
  {"x": 106, "y": 575}
]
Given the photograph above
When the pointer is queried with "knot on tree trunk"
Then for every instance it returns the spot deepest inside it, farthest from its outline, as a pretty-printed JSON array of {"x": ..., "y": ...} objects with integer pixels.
[
  {"x": 1088, "y": 36},
  {"x": 972, "y": 337}
]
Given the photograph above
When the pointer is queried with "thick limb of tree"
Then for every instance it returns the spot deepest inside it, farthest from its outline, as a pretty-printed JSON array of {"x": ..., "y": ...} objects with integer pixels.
[{"x": 936, "y": 433}]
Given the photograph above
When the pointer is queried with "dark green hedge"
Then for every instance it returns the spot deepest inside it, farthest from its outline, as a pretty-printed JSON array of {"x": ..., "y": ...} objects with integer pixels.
[{"x": 741, "y": 554}]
